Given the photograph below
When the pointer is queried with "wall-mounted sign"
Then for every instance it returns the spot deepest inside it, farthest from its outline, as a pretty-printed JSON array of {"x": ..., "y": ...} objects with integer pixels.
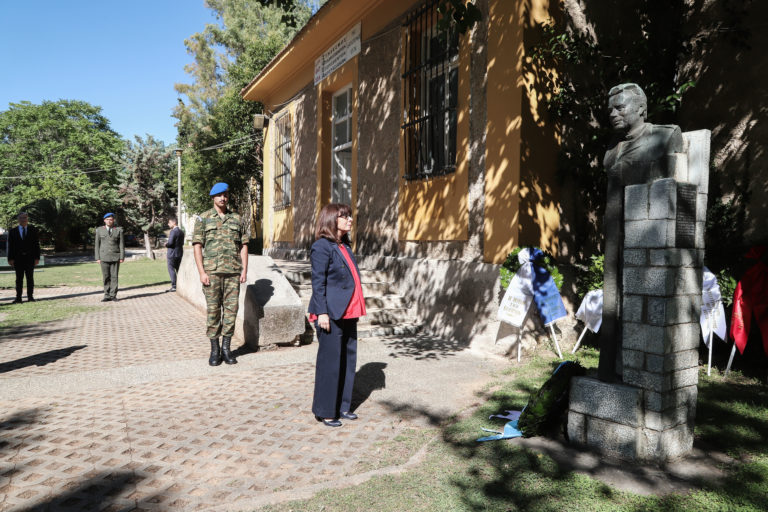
[{"x": 335, "y": 57}]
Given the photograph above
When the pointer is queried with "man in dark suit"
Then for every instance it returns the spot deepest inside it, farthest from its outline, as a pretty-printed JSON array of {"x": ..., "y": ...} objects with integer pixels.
[
  {"x": 175, "y": 245},
  {"x": 109, "y": 251},
  {"x": 24, "y": 255}
]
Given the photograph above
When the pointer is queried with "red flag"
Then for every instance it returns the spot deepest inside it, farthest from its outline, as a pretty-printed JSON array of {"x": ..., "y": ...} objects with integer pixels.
[{"x": 751, "y": 296}]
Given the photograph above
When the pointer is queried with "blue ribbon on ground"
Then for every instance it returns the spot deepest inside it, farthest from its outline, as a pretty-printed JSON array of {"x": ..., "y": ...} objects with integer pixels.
[{"x": 510, "y": 431}]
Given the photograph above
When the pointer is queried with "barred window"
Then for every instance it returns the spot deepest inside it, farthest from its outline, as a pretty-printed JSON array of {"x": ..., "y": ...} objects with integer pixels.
[
  {"x": 282, "y": 164},
  {"x": 430, "y": 85}
]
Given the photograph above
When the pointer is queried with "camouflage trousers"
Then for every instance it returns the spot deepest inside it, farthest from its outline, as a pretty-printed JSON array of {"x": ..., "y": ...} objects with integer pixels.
[{"x": 221, "y": 300}]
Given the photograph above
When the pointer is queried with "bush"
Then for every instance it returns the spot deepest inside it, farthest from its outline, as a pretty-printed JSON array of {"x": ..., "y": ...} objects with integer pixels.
[
  {"x": 591, "y": 278},
  {"x": 727, "y": 284},
  {"x": 510, "y": 267}
]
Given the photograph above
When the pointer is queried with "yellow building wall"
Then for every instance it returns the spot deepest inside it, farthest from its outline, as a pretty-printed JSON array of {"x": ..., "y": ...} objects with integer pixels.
[
  {"x": 437, "y": 209},
  {"x": 520, "y": 205},
  {"x": 503, "y": 129}
]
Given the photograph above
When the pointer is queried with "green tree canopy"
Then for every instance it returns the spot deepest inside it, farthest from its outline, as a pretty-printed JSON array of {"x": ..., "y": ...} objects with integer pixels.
[
  {"x": 215, "y": 123},
  {"x": 59, "y": 161},
  {"x": 147, "y": 188}
]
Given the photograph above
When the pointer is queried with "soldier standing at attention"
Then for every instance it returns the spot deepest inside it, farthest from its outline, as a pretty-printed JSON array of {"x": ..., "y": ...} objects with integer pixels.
[
  {"x": 109, "y": 249},
  {"x": 221, "y": 256}
]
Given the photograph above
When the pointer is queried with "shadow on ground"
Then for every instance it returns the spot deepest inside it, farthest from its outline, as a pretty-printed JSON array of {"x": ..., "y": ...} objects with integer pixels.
[
  {"x": 728, "y": 467},
  {"x": 422, "y": 346},
  {"x": 40, "y": 359},
  {"x": 368, "y": 379}
]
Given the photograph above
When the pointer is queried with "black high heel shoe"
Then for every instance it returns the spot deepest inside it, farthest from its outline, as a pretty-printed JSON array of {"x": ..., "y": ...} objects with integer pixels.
[{"x": 329, "y": 423}]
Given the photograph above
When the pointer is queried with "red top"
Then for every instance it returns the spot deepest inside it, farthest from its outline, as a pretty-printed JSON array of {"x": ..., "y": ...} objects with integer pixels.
[{"x": 356, "y": 306}]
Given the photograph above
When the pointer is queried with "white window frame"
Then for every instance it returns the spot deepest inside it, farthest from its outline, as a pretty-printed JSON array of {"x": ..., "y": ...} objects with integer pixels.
[{"x": 344, "y": 146}]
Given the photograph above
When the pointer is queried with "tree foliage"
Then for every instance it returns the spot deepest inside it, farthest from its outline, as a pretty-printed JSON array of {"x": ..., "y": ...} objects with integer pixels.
[
  {"x": 59, "y": 161},
  {"x": 147, "y": 188},
  {"x": 459, "y": 13},
  {"x": 227, "y": 56},
  {"x": 578, "y": 58},
  {"x": 211, "y": 112}
]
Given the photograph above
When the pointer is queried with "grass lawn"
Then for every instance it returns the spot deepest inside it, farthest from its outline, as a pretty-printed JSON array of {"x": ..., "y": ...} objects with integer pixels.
[
  {"x": 142, "y": 272},
  {"x": 459, "y": 474}
]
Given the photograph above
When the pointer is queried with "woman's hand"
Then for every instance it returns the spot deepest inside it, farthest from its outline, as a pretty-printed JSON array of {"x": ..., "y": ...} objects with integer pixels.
[{"x": 324, "y": 322}]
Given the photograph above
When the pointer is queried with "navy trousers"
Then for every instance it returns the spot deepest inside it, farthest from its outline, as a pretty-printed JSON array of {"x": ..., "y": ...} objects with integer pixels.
[
  {"x": 173, "y": 267},
  {"x": 335, "y": 369}
]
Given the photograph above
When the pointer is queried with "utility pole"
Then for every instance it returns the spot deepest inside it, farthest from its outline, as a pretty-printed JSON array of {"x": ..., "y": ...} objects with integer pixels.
[{"x": 178, "y": 180}]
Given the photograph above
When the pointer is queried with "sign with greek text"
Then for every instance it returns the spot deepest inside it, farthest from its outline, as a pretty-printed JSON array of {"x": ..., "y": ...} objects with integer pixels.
[{"x": 338, "y": 54}]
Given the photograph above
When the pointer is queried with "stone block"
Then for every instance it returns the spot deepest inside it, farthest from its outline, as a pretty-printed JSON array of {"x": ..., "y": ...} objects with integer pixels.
[
  {"x": 674, "y": 257},
  {"x": 663, "y": 199},
  {"x": 645, "y": 338},
  {"x": 701, "y": 207},
  {"x": 648, "y": 280},
  {"x": 633, "y": 359},
  {"x": 613, "y": 438},
  {"x": 613, "y": 402},
  {"x": 681, "y": 397},
  {"x": 655, "y": 363},
  {"x": 658, "y": 382},
  {"x": 632, "y": 308},
  {"x": 657, "y": 307},
  {"x": 681, "y": 360},
  {"x": 271, "y": 314},
  {"x": 666, "y": 419},
  {"x": 649, "y": 233},
  {"x": 682, "y": 309},
  {"x": 698, "y": 158},
  {"x": 636, "y": 202},
  {"x": 649, "y": 444},
  {"x": 635, "y": 257},
  {"x": 678, "y": 163},
  {"x": 680, "y": 337},
  {"x": 672, "y": 443},
  {"x": 577, "y": 431},
  {"x": 700, "y": 231},
  {"x": 683, "y": 378},
  {"x": 687, "y": 280}
]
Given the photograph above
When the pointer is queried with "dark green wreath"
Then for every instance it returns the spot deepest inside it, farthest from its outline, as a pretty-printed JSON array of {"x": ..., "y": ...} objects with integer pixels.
[
  {"x": 547, "y": 406},
  {"x": 510, "y": 267}
]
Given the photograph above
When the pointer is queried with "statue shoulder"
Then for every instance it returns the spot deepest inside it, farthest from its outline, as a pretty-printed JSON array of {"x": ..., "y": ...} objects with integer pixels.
[{"x": 672, "y": 135}]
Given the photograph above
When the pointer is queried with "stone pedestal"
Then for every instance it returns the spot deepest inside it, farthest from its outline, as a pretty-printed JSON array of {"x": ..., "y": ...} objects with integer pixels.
[{"x": 650, "y": 416}]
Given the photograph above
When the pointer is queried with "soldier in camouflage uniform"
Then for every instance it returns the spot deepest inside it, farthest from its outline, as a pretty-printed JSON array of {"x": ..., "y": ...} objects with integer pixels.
[{"x": 221, "y": 255}]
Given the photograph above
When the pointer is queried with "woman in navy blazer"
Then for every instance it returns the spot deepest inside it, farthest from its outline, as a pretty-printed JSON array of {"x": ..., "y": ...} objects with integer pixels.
[{"x": 336, "y": 304}]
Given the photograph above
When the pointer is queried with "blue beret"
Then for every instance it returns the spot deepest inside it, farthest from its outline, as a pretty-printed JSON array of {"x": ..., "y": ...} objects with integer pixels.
[
  {"x": 109, "y": 215},
  {"x": 219, "y": 188}
]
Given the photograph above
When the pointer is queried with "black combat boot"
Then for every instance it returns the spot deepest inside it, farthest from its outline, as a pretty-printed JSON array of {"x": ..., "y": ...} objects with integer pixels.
[
  {"x": 215, "y": 359},
  {"x": 228, "y": 357}
]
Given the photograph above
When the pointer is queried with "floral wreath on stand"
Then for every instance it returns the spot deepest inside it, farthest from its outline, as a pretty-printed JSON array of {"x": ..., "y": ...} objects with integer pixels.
[{"x": 511, "y": 265}]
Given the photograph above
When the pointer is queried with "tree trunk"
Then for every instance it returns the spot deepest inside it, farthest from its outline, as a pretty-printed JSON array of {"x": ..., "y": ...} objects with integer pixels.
[{"x": 148, "y": 247}]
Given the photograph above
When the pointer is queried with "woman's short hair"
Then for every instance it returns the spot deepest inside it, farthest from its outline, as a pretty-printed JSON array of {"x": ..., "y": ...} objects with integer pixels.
[{"x": 326, "y": 222}]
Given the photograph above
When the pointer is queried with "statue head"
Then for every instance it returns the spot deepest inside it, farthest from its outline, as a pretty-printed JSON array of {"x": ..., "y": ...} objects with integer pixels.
[{"x": 627, "y": 107}]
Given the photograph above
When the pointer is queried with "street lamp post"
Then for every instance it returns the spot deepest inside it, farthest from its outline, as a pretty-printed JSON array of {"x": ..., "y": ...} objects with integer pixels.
[{"x": 178, "y": 182}]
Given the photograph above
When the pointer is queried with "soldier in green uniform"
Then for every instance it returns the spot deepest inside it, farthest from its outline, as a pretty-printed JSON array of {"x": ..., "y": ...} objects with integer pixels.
[
  {"x": 109, "y": 249},
  {"x": 221, "y": 255}
]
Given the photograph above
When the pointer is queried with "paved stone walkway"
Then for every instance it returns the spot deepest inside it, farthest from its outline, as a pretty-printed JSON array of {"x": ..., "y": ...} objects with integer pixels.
[{"x": 117, "y": 409}]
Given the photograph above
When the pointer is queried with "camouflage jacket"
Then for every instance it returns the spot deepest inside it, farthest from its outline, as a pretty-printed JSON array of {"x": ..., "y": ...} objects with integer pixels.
[{"x": 222, "y": 240}]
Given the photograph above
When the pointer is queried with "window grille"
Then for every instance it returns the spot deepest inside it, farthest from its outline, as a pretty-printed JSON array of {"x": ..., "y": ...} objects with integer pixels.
[
  {"x": 430, "y": 87},
  {"x": 282, "y": 165}
]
